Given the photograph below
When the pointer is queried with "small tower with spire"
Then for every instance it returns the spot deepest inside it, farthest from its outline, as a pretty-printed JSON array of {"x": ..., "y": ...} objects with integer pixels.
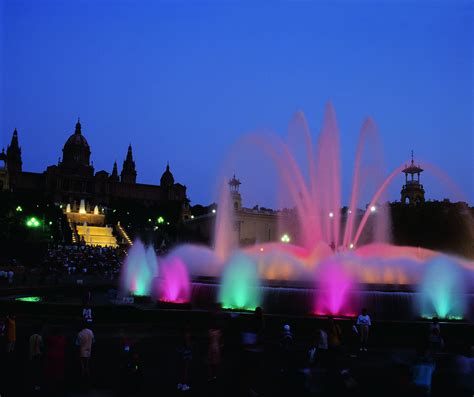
[
  {"x": 114, "y": 176},
  {"x": 234, "y": 185},
  {"x": 14, "y": 162},
  {"x": 4, "y": 178},
  {"x": 412, "y": 191},
  {"x": 129, "y": 173}
]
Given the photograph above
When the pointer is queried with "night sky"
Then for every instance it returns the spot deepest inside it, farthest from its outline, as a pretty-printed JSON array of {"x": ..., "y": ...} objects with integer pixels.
[{"x": 183, "y": 80}]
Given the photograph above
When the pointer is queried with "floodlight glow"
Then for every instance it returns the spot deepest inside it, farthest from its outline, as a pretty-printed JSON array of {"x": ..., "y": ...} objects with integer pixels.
[
  {"x": 285, "y": 238},
  {"x": 160, "y": 219},
  {"x": 29, "y": 299},
  {"x": 32, "y": 222}
]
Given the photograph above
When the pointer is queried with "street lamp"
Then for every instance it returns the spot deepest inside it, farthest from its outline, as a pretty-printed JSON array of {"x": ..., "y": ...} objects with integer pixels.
[{"x": 33, "y": 222}]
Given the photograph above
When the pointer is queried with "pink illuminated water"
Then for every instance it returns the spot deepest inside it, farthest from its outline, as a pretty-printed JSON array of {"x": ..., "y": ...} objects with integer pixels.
[
  {"x": 339, "y": 249},
  {"x": 333, "y": 285},
  {"x": 173, "y": 284}
]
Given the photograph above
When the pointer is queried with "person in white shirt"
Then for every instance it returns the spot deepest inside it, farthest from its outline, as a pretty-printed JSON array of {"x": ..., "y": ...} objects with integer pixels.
[
  {"x": 85, "y": 339},
  {"x": 363, "y": 323}
]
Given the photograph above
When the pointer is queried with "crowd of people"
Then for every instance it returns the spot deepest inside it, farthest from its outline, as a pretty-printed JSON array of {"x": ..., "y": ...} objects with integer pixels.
[
  {"x": 83, "y": 259},
  {"x": 61, "y": 261},
  {"x": 241, "y": 346}
]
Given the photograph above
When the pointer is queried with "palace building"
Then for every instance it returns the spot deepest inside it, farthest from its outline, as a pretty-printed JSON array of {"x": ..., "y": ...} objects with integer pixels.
[{"x": 73, "y": 179}]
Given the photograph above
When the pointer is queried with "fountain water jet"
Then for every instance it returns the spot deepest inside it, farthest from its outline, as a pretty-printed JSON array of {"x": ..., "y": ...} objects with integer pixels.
[
  {"x": 442, "y": 290},
  {"x": 173, "y": 284},
  {"x": 333, "y": 283},
  {"x": 138, "y": 271},
  {"x": 240, "y": 284}
]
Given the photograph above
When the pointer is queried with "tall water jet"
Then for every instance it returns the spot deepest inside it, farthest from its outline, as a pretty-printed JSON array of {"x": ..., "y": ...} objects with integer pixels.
[
  {"x": 224, "y": 237},
  {"x": 173, "y": 284},
  {"x": 442, "y": 290},
  {"x": 333, "y": 284},
  {"x": 82, "y": 207},
  {"x": 68, "y": 208},
  {"x": 137, "y": 272},
  {"x": 96, "y": 210},
  {"x": 240, "y": 284}
]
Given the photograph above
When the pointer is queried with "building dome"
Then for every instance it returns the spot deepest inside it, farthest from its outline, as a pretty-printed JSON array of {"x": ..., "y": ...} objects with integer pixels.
[
  {"x": 76, "y": 152},
  {"x": 167, "y": 179},
  {"x": 77, "y": 139}
]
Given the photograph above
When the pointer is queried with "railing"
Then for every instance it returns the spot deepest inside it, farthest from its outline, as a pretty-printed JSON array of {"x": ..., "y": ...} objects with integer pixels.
[
  {"x": 75, "y": 235},
  {"x": 124, "y": 234}
]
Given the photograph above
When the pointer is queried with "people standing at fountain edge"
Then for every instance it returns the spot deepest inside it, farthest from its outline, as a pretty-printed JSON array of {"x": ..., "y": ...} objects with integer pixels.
[
  {"x": 54, "y": 368},
  {"x": 84, "y": 340},
  {"x": 3, "y": 329},
  {"x": 11, "y": 333},
  {"x": 185, "y": 357},
  {"x": 286, "y": 346},
  {"x": 434, "y": 325},
  {"x": 363, "y": 323},
  {"x": 36, "y": 352},
  {"x": 87, "y": 314},
  {"x": 215, "y": 349},
  {"x": 334, "y": 334},
  {"x": 435, "y": 341}
]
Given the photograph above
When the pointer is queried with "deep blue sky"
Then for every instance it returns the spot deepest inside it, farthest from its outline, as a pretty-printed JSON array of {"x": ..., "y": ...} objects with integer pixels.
[{"x": 182, "y": 81}]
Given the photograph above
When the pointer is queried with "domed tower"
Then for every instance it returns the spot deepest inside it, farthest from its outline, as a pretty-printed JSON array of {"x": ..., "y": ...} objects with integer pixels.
[
  {"x": 14, "y": 161},
  {"x": 412, "y": 191},
  {"x": 167, "y": 179},
  {"x": 77, "y": 154},
  {"x": 129, "y": 173},
  {"x": 234, "y": 185}
]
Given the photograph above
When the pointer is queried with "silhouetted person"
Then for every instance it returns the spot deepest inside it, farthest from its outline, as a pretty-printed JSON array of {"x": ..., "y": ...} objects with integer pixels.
[
  {"x": 214, "y": 353},
  {"x": 84, "y": 341},
  {"x": 364, "y": 323},
  {"x": 55, "y": 354},
  {"x": 35, "y": 355},
  {"x": 185, "y": 357}
]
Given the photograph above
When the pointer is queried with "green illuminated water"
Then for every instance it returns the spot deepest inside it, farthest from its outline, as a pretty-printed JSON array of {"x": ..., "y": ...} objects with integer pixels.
[
  {"x": 442, "y": 292},
  {"x": 240, "y": 284}
]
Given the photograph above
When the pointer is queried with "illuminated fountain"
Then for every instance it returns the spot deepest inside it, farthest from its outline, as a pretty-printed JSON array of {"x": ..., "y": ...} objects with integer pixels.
[
  {"x": 333, "y": 285},
  {"x": 347, "y": 252},
  {"x": 138, "y": 271},
  {"x": 442, "y": 290},
  {"x": 240, "y": 284},
  {"x": 82, "y": 207},
  {"x": 173, "y": 285}
]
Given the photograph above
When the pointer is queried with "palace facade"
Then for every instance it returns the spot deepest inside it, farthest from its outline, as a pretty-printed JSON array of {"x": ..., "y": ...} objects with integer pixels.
[{"x": 74, "y": 179}]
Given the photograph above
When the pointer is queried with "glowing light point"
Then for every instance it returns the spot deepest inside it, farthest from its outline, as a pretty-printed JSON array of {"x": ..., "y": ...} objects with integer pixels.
[
  {"x": 331, "y": 214},
  {"x": 261, "y": 249},
  {"x": 19, "y": 209},
  {"x": 285, "y": 238},
  {"x": 160, "y": 220},
  {"x": 32, "y": 222},
  {"x": 214, "y": 211},
  {"x": 373, "y": 208},
  {"x": 351, "y": 246}
]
